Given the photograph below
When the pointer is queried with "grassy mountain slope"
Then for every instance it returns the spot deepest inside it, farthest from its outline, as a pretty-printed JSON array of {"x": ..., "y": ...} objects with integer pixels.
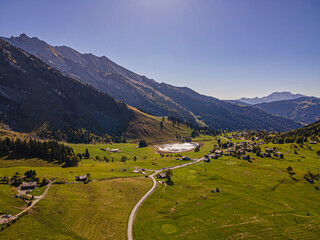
[
  {"x": 33, "y": 94},
  {"x": 305, "y": 109},
  {"x": 141, "y": 92}
]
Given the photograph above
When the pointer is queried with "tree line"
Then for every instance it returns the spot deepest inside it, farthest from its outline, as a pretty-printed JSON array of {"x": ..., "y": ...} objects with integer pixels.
[{"x": 50, "y": 151}]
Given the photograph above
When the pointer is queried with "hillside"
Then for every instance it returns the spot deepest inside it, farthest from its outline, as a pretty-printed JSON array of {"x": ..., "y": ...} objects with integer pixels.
[
  {"x": 222, "y": 115},
  {"x": 305, "y": 109},
  {"x": 238, "y": 102},
  {"x": 33, "y": 95},
  {"x": 156, "y": 98},
  {"x": 276, "y": 96},
  {"x": 304, "y": 134}
]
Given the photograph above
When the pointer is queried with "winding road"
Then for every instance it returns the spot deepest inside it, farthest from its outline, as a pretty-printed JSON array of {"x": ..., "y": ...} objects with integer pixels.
[{"x": 151, "y": 190}]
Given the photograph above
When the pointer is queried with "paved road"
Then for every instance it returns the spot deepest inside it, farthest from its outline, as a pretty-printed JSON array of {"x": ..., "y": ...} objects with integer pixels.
[
  {"x": 154, "y": 186},
  {"x": 36, "y": 199}
]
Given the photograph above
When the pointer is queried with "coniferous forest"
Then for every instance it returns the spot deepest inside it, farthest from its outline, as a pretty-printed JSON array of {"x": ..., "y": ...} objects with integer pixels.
[{"x": 51, "y": 151}]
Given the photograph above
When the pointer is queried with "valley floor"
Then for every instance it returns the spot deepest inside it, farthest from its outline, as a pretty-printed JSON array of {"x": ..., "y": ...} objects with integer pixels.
[{"x": 257, "y": 200}]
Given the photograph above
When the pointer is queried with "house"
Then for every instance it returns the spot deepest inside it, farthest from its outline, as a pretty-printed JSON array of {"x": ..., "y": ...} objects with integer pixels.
[
  {"x": 246, "y": 157},
  {"x": 213, "y": 156},
  {"x": 206, "y": 160},
  {"x": 82, "y": 178},
  {"x": 28, "y": 185},
  {"x": 220, "y": 152},
  {"x": 242, "y": 151},
  {"x": 269, "y": 150},
  {"x": 230, "y": 150},
  {"x": 185, "y": 158},
  {"x": 161, "y": 175},
  {"x": 266, "y": 155},
  {"x": 135, "y": 171},
  {"x": 313, "y": 142},
  {"x": 249, "y": 149}
]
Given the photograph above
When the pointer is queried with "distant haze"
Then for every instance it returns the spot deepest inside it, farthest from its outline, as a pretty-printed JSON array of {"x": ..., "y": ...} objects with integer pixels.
[
  {"x": 226, "y": 49},
  {"x": 273, "y": 97}
]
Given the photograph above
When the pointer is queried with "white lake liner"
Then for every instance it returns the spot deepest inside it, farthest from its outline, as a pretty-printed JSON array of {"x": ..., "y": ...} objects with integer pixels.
[{"x": 176, "y": 147}]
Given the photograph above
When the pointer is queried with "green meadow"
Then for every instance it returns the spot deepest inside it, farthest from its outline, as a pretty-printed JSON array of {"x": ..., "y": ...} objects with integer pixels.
[
  {"x": 257, "y": 200},
  {"x": 98, "y": 210}
]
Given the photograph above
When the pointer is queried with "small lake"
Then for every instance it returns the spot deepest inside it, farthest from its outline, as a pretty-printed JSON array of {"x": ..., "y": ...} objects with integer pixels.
[{"x": 176, "y": 147}]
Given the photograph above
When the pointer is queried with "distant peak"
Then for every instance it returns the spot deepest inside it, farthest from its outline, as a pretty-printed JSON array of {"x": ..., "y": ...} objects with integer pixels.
[{"x": 23, "y": 35}]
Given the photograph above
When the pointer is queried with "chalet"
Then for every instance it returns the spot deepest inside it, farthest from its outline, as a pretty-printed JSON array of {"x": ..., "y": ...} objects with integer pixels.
[
  {"x": 230, "y": 150},
  {"x": 213, "y": 156},
  {"x": 82, "y": 178},
  {"x": 246, "y": 157},
  {"x": 220, "y": 152},
  {"x": 135, "y": 171},
  {"x": 249, "y": 149},
  {"x": 161, "y": 175},
  {"x": 266, "y": 154},
  {"x": 313, "y": 142},
  {"x": 206, "y": 160},
  {"x": 28, "y": 185},
  {"x": 242, "y": 151},
  {"x": 185, "y": 158},
  {"x": 269, "y": 150}
]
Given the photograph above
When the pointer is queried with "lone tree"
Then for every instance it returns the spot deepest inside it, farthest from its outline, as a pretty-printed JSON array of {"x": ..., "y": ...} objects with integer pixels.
[
  {"x": 197, "y": 149},
  {"x": 143, "y": 143},
  {"x": 169, "y": 174},
  {"x": 87, "y": 154},
  {"x": 44, "y": 182}
]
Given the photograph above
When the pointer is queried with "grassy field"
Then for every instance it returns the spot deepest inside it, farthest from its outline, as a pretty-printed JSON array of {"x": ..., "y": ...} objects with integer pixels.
[
  {"x": 245, "y": 208},
  {"x": 145, "y": 157},
  {"x": 97, "y": 170},
  {"x": 8, "y": 204},
  {"x": 257, "y": 200},
  {"x": 98, "y": 210}
]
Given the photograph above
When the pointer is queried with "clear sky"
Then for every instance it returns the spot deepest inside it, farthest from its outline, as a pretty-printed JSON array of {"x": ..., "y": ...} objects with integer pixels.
[{"x": 223, "y": 48}]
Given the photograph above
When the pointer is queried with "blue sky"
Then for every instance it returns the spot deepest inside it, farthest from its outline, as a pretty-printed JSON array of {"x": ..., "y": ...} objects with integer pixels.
[{"x": 222, "y": 48}]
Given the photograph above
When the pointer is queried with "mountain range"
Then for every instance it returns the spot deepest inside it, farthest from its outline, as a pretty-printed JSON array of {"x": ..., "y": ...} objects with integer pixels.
[
  {"x": 141, "y": 92},
  {"x": 304, "y": 109},
  {"x": 275, "y": 96},
  {"x": 34, "y": 95}
]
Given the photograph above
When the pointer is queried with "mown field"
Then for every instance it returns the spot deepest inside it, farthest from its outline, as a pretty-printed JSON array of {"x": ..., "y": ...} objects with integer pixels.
[
  {"x": 98, "y": 210},
  {"x": 257, "y": 200}
]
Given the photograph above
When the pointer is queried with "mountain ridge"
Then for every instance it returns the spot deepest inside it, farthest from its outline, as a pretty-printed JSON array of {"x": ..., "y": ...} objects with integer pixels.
[
  {"x": 304, "y": 109},
  {"x": 275, "y": 96},
  {"x": 33, "y": 96},
  {"x": 147, "y": 94}
]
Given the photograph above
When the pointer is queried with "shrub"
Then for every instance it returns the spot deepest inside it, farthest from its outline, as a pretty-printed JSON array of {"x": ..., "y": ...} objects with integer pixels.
[{"x": 143, "y": 143}]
